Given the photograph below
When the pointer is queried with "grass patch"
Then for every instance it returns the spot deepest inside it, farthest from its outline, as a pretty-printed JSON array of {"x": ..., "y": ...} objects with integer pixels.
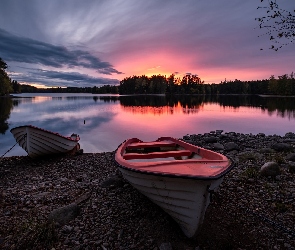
[
  {"x": 249, "y": 156},
  {"x": 251, "y": 172},
  {"x": 279, "y": 159}
]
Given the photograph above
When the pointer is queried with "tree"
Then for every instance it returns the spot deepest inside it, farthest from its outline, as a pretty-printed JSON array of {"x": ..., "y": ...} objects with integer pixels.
[
  {"x": 3, "y": 65},
  {"x": 273, "y": 85},
  {"x": 5, "y": 82},
  {"x": 16, "y": 87},
  {"x": 171, "y": 84},
  {"x": 279, "y": 24}
]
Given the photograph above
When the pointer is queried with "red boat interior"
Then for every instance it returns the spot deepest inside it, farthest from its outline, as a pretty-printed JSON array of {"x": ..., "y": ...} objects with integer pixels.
[{"x": 171, "y": 157}]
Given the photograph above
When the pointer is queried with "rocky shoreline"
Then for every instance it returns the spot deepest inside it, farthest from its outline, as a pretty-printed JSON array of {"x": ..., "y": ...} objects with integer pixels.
[{"x": 253, "y": 209}]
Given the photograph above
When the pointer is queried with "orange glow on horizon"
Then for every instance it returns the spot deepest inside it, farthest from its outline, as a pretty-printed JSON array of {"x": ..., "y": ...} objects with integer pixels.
[
  {"x": 206, "y": 75},
  {"x": 40, "y": 86},
  {"x": 167, "y": 63}
]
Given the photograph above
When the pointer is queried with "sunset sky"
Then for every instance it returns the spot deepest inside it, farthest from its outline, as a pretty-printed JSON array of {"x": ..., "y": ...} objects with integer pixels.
[{"x": 91, "y": 43}]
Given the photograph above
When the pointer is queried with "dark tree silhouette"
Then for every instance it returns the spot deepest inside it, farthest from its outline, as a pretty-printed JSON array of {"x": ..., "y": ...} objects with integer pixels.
[
  {"x": 5, "y": 82},
  {"x": 3, "y": 64},
  {"x": 278, "y": 23}
]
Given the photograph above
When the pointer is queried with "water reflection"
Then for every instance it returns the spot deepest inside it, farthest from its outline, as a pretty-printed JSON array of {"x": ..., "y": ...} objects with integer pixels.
[
  {"x": 160, "y": 104},
  {"x": 6, "y": 105},
  {"x": 103, "y": 122}
]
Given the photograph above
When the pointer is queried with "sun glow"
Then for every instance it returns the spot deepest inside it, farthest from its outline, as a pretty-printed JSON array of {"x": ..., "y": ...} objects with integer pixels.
[
  {"x": 37, "y": 85},
  {"x": 39, "y": 99}
]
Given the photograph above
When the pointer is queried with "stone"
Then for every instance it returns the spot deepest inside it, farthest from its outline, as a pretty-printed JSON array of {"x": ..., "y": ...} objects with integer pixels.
[
  {"x": 270, "y": 169},
  {"x": 218, "y": 146},
  {"x": 219, "y": 131},
  {"x": 186, "y": 137},
  {"x": 166, "y": 246},
  {"x": 290, "y": 157},
  {"x": 41, "y": 195},
  {"x": 290, "y": 135},
  {"x": 67, "y": 229},
  {"x": 229, "y": 146},
  {"x": 232, "y": 153},
  {"x": 267, "y": 150},
  {"x": 64, "y": 214},
  {"x": 210, "y": 139},
  {"x": 289, "y": 140},
  {"x": 291, "y": 167},
  {"x": 261, "y": 134},
  {"x": 281, "y": 146},
  {"x": 113, "y": 181}
]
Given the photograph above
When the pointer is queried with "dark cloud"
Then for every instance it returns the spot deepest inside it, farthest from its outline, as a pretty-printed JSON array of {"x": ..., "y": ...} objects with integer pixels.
[
  {"x": 216, "y": 40},
  {"x": 62, "y": 79},
  {"x": 25, "y": 50}
]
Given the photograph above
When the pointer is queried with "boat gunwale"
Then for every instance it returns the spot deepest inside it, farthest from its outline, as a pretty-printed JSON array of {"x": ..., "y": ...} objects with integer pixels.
[
  {"x": 195, "y": 177},
  {"x": 48, "y": 131}
]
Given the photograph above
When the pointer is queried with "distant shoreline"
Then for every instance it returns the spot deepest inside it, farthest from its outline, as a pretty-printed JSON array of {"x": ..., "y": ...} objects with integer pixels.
[{"x": 174, "y": 94}]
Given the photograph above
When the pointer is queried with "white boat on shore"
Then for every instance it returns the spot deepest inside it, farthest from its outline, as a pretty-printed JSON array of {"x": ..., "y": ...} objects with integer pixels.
[
  {"x": 39, "y": 142},
  {"x": 177, "y": 176}
]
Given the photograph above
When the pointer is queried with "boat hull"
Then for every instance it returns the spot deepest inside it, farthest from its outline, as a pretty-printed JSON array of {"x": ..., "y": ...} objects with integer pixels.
[
  {"x": 181, "y": 185},
  {"x": 185, "y": 200},
  {"x": 39, "y": 142}
]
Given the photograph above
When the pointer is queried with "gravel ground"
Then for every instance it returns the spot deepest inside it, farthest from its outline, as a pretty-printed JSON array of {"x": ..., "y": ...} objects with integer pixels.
[{"x": 250, "y": 211}]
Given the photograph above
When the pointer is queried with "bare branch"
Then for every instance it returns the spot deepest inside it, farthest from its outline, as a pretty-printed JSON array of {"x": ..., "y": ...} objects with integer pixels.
[{"x": 278, "y": 23}]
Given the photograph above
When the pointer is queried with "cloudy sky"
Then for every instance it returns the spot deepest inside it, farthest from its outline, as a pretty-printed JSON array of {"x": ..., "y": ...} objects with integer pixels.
[{"x": 96, "y": 42}]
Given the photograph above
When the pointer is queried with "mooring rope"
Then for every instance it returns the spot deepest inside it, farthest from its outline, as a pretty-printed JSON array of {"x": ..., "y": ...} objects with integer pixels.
[{"x": 14, "y": 145}]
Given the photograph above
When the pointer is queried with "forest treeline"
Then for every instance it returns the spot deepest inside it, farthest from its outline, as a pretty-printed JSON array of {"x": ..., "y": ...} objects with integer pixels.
[
  {"x": 159, "y": 84},
  {"x": 192, "y": 84}
]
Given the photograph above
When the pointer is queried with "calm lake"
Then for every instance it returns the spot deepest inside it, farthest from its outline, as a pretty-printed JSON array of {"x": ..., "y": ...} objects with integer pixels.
[{"x": 105, "y": 121}]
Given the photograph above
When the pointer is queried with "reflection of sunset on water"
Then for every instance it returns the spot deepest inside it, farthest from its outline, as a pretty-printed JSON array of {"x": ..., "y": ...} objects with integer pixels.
[
  {"x": 103, "y": 122},
  {"x": 39, "y": 99},
  {"x": 212, "y": 108},
  {"x": 178, "y": 108}
]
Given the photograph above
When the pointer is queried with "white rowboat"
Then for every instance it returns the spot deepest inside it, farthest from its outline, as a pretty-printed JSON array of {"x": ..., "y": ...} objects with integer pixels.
[
  {"x": 39, "y": 142},
  {"x": 177, "y": 176}
]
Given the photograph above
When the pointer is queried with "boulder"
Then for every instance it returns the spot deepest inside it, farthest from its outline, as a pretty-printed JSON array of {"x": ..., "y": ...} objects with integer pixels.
[
  {"x": 249, "y": 155},
  {"x": 112, "y": 182},
  {"x": 64, "y": 214},
  {"x": 231, "y": 146},
  {"x": 270, "y": 169},
  {"x": 224, "y": 136},
  {"x": 261, "y": 134},
  {"x": 267, "y": 150},
  {"x": 281, "y": 146},
  {"x": 210, "y": 139},
  {"x": 290, "y": 135},
  {"x": 166, "y": 246},
  {"x": 186, "y": 137},
  {"x": 291, "y": 167},
  {"x": 218, "y": 132},
  {"x": 290, "y": 157},
  {"x": 218, "y": 146}
]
